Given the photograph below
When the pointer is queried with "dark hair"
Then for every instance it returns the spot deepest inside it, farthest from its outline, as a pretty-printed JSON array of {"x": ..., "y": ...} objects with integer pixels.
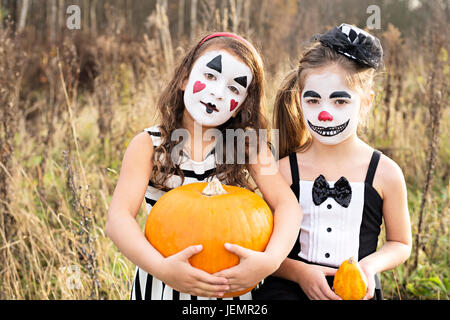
[{"x": 251, "y": 114}]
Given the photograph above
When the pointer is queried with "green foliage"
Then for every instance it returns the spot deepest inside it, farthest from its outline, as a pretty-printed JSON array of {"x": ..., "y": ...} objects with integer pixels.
[{"x": 423, "y": 286}]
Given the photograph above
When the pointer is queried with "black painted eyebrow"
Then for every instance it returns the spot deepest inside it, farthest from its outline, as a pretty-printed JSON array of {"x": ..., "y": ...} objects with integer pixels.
[
  {"x": 216, "y": 64},
  {"x": 340, "y": 94},
  {"x": 242, "y": 81},
  {"x": 312, "y": 94}
]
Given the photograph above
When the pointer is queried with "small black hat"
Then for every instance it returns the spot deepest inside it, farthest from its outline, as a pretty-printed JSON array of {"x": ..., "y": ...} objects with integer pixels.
[{"x": 356, "y": 44}]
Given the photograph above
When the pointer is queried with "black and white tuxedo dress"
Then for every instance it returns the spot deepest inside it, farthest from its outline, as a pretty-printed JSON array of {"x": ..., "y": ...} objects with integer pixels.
[{"x": 331, "y": 232}]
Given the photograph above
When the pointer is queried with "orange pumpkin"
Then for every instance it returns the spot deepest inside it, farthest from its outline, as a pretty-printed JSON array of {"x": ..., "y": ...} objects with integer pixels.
[
  {"x": 350, "y": 281},
  {"x": 209, "y": 214}
]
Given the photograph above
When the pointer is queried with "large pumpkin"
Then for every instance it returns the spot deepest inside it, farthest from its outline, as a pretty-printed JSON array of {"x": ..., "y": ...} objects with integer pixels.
[
  {"x": 350, "y": 281},
  {"x": 210, "y": 214}
]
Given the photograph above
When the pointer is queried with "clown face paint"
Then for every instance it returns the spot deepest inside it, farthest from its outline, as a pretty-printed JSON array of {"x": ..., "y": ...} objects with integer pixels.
[
  {"x": 330, "y": 107},
  {"x": 216, "y": 87}
]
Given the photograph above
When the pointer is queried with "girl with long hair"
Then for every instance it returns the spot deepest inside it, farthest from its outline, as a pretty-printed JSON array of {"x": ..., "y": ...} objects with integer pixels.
[{"x": 218, "y": 86}]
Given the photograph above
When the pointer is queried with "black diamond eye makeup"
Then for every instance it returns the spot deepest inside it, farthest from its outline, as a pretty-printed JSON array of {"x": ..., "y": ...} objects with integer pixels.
[
  {"x": 216, "y": 64},
  {"x": 242, "y": 81}
]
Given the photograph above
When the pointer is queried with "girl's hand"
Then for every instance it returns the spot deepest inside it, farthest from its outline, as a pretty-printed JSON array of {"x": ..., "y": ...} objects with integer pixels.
[
  {"x": 370, "y": 276},
  {"x": 180, "y": 275},
  {"x": 252, "y": 268},
  {"x": 314, "y": 284}
]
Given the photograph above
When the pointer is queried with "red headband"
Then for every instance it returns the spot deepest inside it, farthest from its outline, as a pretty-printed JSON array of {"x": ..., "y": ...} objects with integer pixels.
[{"x": 225, "y": 34}]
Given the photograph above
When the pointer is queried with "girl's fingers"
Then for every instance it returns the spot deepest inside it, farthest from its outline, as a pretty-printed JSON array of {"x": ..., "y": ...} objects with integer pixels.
[
  {"x": 310, "y": 297},
  {"x": 370, "y": 289},
  {"x": 369, "y": 294},
  {"x": 323, "y": 291},
  {"x": 210, "y": 289},
  {"x": 205, "y": 277},
  {"x": 241, "y": 252},
  {"x": 322, "y": 294},
  {"x": 327, "y": 270},
  {"x": 316, "y": 294},
  {"x": 237, "y": 284},
  {"x": 188, "y": 252},
  {"x": 201, "y": 293},
  {"x": 228, "y": 273},
  {"x": 329, "y": 294},
  {"x": 237, "y": 287}
]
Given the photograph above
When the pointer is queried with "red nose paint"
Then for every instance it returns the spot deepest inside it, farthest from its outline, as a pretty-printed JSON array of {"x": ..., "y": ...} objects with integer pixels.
[{"x": 325, "y": 116}]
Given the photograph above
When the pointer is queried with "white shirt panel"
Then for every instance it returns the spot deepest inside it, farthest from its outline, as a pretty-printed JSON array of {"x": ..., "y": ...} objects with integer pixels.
[{"x": 329, "y": 232}]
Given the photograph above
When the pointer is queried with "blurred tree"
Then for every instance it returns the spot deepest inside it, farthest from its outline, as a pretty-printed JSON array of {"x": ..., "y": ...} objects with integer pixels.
[
  {"x": 25, "y": 4},
  {"x": 193, "y": 19},
  {"x": 52, "y": 20},
  {"x": 180, "y": 22}
]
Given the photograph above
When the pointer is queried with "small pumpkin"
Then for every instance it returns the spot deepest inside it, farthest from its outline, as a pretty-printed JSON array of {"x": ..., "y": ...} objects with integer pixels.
[
  {"x": 210, "y": 214},
  {"x": 350, "y": 282}
]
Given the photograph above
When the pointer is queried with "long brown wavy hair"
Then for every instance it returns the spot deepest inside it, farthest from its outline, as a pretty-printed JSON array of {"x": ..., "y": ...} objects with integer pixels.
[
  {"x": 287, "y": 114},
  {"x": 251, "y": 114}
]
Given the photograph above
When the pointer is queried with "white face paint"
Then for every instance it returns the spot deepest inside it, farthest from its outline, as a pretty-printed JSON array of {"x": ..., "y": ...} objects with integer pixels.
[
  {"x": 330, "y": 107},
  {"x": 216, "y": 87}
]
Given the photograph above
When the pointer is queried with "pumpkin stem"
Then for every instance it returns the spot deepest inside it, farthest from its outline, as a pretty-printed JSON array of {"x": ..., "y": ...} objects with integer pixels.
[
  {"x": 351, "y": 260},
  {"x": 213, "y": 188}
]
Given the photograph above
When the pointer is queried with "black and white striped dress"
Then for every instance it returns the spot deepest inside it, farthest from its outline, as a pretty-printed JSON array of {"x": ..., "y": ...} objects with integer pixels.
[{"x": 145, "y": 286}]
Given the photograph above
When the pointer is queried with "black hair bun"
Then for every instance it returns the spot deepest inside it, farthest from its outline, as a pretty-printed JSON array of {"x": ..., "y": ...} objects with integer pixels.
[{"x": 356, "y": 44}]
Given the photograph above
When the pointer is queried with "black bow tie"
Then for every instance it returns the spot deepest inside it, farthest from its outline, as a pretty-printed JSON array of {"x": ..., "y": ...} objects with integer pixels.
[{"x": 342, "y": 192}]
